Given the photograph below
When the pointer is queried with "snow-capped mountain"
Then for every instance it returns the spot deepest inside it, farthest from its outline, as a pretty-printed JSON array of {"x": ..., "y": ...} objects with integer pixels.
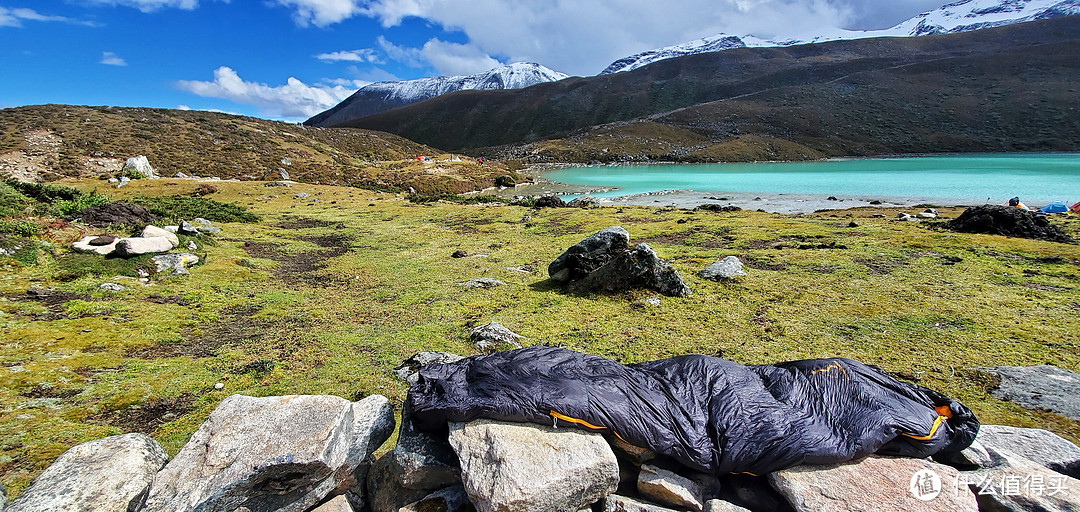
[
  {"x": 954, "y": 17},
  {"x": 380, "y": 96}
]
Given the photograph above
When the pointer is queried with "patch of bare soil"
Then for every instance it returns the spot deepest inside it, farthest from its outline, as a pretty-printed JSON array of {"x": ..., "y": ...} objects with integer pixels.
[
  {"x": 115, "y": 214},
  {"x": 146, "y": 417},
  {"x": 758, "y": 263},
  {"x": 880, "y": 265},
  {"x": 235, "y": 326},
  {"x": 54, "y": 300},
  {"x": 303, "y": 267}
]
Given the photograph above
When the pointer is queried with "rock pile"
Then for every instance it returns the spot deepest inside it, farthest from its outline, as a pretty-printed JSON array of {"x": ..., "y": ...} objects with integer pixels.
[
  {"x": 1007, "y": 221},
  {"x": 314, "y": 453},
  {"x": 152, "y": 240},
  {"x": 604, "y": 262}
]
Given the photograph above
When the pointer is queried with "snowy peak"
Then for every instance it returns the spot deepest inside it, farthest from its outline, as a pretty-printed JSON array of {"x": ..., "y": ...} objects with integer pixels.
[
  {"x": 976, "y": 14},
  {"x": 954, "y": 17},
  {"x": 381, "y": 96}
]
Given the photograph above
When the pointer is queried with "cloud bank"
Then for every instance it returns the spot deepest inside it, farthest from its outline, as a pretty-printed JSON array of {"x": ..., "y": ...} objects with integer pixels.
[{"x": 295, "y": 99}]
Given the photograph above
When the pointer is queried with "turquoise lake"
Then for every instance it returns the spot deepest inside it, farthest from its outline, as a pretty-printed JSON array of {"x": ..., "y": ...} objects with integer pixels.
[{"x": 954, "y": 179}]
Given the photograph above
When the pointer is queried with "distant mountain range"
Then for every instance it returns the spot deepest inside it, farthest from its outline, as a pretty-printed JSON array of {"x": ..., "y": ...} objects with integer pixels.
[
  {"x": 380, "y": 96},
  {"x": 1008, "y": 88},
  {"x": 959, "y": 16}
]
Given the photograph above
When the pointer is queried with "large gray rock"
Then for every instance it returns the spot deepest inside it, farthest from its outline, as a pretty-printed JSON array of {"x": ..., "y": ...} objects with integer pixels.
[
  {"x": 450, "y": 499},
  {"x": 728, "y": 268},
  {"x": 874, "y": 484},
  {"x": 174, "y": 263},
  {"x": 669, "y": 488},
  {"x": 1015, "y": 484},
  {"x": 422, "y": 461},
  {"x": 128, "y": 247},
  {"x": 1039, "y": 387},
  {"x": 138, "y": 166},
  {"x": 409, "y": 369},
  {"x": 616, "y": 503},
  {"x": 493, "y": 336},
  {"x": 589, "y": 254},
  {"x": 638, "y": 268},
  {"x": 513, "y": 467},
  {"x": 282, "y": 453},
  {"x": 723, "y": 506},
  {"x": 1040, "y": 446},
  {"x": 384, "y": 491},
  {"x": 102, "y": 475},
  {"x": 151, "y": 231}
]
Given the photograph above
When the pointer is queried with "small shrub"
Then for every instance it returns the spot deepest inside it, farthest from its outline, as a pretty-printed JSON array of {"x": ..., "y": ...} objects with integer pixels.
[
  {"x": 12, "y": 202},
  {"x": 77, "y": 264},
  {"x": 176, "y": 208},
  {"x": 453, "y": 198},
  {"x": 69, "y": 207},
  {"x": 19, "y": 228},
  {"x": 45, "y": 193}
]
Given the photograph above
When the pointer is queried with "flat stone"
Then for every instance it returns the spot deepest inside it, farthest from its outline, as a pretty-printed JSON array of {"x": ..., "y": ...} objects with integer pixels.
[
  {"x": 482, "y": 283},
  {"x": 1039, "y": 387},
  {"x": 1015, "y": 484},
  {"x": 85, "y": 245},
  {"x": 450, "y": 499},
  {"x": 1040, "y": 446},
  {"x": 128, "y": 247},
  {"x": 669, "y": 488},
  {"x": 874, "y": 484},
  {"x": 112, "y": 287},
  {"x": 511, "y": 467},
  {"x": 174, "y": 262},
  {"x": 106, "y": 474},
  {"x": 726, "y": 269},
  {"x": 492, "y": 336},
  {"x": 723, "y": 506},
  {"x": 102, "y": 240},
  {"x": 274, "y": 453}
]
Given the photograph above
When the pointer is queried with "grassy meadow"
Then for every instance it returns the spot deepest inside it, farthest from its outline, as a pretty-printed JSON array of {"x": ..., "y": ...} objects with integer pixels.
[{"x": 329, "y": 292}]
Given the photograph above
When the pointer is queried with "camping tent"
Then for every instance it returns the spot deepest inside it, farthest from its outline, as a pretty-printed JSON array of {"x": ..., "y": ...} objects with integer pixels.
[
  {"x": 1054, "y": 207},
  {"x": 707, "y": 413}
]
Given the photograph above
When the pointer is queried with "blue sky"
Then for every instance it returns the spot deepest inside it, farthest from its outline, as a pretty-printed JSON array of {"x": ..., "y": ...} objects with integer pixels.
[{"x": 290, "y": 59}]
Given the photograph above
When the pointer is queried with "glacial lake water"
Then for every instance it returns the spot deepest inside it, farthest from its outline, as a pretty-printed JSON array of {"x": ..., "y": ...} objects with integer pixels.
[{"x": 945, "y": 180}]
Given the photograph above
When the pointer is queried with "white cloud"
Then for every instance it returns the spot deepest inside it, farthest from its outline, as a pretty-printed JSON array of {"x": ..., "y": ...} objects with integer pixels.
[
  {"x": 457, "y": 59},
  {"x": 408, "y": 56},
  {"x": 13, "y": 17},
  {"x": 322, "y": 13},
  {"x": 295, "y": 99},
  {"x": 112, "y": 59},
  {"x": 151, "y": 5},
  {"x": 583, "y": 36},
  {"x": 183, "y": 107},
  {"x": 363, "y": 55}
]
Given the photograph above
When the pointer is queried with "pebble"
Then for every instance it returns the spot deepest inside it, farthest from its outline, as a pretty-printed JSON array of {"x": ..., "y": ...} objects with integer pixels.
[{"x": 219, "y": 386}]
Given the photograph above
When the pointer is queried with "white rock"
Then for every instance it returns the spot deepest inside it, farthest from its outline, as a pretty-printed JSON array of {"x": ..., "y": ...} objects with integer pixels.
[
  {"x": 669, "y": 488},
  {"x": 727, "y": 268},
  {"x": 83, "y": 245},
  {"x": 275, "y": 453},
  {"x": 513, "y": 467},
  {"x": 101, "y": 475},
  {"x": 112, "y": 287},
  {"x": 139, "y": 165},
  {"x": 152, "y": 231},
  {"x": 137, "y": 246},
  {"x": 723, "y": 506},
  {"x": 490, "y": 336}
]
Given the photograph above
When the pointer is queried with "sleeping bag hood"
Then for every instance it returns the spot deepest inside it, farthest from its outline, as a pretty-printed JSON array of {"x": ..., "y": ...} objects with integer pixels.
[{"x": 707, "y": 413}]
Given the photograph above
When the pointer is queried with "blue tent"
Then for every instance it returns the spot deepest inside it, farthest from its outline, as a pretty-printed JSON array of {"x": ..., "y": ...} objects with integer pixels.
[{"x": 1054, "y": 207}]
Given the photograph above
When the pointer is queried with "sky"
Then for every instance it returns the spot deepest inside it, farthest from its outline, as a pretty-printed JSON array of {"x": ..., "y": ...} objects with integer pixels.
[{"x": 291, "y": 59}]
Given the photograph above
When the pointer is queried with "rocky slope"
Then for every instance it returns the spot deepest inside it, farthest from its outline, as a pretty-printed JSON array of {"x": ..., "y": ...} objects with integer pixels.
[{"x": 381, "y": 96}]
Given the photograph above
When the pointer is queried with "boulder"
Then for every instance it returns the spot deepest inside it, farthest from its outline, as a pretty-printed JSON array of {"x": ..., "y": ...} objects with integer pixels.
[
  {"x": 490, "y": 336},
  {"x": 638, "y": 268},
  {"x": 549, "y": 202},
  {"x": 275, "y": 453},
  {"x": 589, "y": 254},
  {"x": 112, "y": 287},
  {"x": 450, "y": 499},
  {"x": 151, "y": 231},
  {"x": 138, "y": 166},
  {"x": 185, "y": 228},
  {"x": 337, "y": 504},
  {"x": 616, "y": 503},
  {"x": 423, "y": 462},
  {"x": 106, "y": 474},
  {"x": 1039, "y": 387},
  {"x": 1015, "y": 484},
  {"x": 1040, "y": 446},
  {"x": 875, "y": 484},
  {"x": 174, "y": 263},
  {"x": 582, "y": 202},
  {"x": 124, "y": 180},
  {"x": 128, "y": 247},
  {"x": 384, "y": 491},
  {"x": 974, "y": 456},
  {"x": 511, "y": 467},
  {"x": 410, "y": 368},
  {"x": 728, "y": 268},
  {"x": 670, "y": 488},
  {"x": 85, "y": 245},
  {"x": 482, "y": 283}
]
